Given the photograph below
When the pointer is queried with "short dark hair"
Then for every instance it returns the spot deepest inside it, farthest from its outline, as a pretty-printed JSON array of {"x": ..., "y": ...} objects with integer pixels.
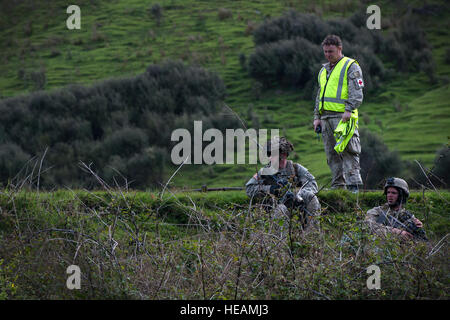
[{"x": 332, "y": 40}]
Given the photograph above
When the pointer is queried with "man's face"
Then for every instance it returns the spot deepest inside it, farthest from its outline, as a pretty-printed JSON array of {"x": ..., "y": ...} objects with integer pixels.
[
  {"x": 332, "y": 53},
  {"x": 282, "y": 157},
  {"x": 391, "y": 195}
]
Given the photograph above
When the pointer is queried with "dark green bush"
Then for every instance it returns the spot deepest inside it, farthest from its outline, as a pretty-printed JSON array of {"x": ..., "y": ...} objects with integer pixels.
[
  {"x": 224, "y": 13},
  {"x": 288, "y": 62},
  {"x": 111, "y": 123},
  {"x": 157, "y": 11},
  {"x": 12, "y": 160},
  {"x": 437, "y": 176},
  {"x": 289, "y": 26},
  {"x": 288, "y": 49},
  {"x": 377, "y": 161}
]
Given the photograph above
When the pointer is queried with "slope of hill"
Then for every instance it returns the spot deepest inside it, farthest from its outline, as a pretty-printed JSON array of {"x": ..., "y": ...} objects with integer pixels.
[{"x": 121, "y": 38}]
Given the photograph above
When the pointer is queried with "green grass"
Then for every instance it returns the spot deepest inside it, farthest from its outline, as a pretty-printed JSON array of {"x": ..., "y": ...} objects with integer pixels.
[{"x": 121, "y": 38}]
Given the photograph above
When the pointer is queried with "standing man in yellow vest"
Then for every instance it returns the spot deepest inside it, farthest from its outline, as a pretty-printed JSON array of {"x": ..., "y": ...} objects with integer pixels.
[{"x": 340, "y": 94}]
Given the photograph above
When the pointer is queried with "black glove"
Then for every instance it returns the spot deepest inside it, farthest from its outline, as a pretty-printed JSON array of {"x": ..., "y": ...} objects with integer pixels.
[
  {"x": 288, "y": 200},
  {"x": 275, "y": 190},
  {"x": 282, "y": 182}
]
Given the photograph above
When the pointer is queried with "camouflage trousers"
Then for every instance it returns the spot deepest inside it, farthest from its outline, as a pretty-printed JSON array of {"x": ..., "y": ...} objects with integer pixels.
[
  {"x": 345, "y": 166},
  {"x": 311, "y": 201}
]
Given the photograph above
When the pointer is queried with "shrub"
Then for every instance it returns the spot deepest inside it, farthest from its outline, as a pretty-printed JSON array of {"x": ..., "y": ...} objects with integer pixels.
[
  {"x": 447, "y": 56},
  {"x": 28, "y": 29},
  {"x": 289, "y": 26},
  {"x": 437, "y": 176},
  {"x": 289, "y": 53},
  {"x": 12, "y": 160},
  {"x": 250, "y": 28},
  {"x": 113, "y": 120},
  {"x": 224, "y": 13},
  {"x": 54, "y": 53},
  {"x": 288, "y": 62},
  {"x": 406, "y": 45},
  {"x": 210, "y": 246},
  {"x": 377, "y": 161},
  {"x": 97, "y": 36},
  {"x": 200, "y": 23},
  {"x": 38, "y": 79},
  {"x": 243, "y": 61},
  {"x": 257, "y": 90},
  {"x": 278, "y": 60},
  {"x": 157, "y": 12}
]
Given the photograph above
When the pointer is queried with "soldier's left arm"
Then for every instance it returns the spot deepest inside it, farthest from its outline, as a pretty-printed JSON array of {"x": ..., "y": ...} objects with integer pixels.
[
  {"x": 255, "y": 188},
  {"x": 306, "y": 178},
  {"x": 355, "y": 87}
]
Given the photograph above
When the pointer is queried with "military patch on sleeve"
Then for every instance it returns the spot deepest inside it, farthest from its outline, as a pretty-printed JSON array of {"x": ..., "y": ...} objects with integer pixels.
[
  {"x": 359, "y": 83},
  {"x": 355, "y": 74},
  {"x": 255, "y": 176}
]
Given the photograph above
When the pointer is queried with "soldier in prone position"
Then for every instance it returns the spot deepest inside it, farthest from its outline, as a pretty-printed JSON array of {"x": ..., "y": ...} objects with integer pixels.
[
  {"x": 392, "y": 217},
  {"x": 280, "y": 187}
]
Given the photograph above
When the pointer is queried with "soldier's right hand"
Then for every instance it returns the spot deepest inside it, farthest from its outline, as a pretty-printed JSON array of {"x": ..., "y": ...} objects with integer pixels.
[
  {"x": 282, "y": 182},
  {"x": 418, "y": 223},
  {"x": 403, "y": 234},
  {"x": 275, "y": 190},
  {"x": 317, "y": 122}
]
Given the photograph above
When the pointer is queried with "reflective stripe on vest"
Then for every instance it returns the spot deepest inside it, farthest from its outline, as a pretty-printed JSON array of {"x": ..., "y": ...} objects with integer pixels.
[{"x": 334, "y": 90}]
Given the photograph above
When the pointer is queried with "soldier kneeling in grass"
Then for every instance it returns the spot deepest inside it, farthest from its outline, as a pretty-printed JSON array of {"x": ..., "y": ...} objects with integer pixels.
[
  {"x": 392, "y": 217},
  {"x": 278, "y": 190}
]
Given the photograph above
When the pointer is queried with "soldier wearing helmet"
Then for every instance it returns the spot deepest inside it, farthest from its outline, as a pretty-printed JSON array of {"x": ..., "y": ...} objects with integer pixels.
[
  {"x": 392, "y": 217},
  {"x": 281, "y": 186}
]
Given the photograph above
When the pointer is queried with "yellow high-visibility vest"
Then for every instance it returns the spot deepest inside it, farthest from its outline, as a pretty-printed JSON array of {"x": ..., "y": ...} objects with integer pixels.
[
  {"x": 344, "y": 132},
  {"x": 334, "y": 90}
]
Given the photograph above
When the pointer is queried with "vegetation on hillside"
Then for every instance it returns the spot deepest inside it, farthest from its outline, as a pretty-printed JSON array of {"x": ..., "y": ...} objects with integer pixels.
[
  {"x": 94, "y": 108},
  {"x": 211, "y": 39},
  {"x": 121, "y": 126},
  {"x": 135, "y": 245}
]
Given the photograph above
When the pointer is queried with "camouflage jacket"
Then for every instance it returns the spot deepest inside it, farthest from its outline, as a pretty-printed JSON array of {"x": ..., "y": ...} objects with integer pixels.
[
  {"x": 373, "y": 218},
  {"x": 256, "y": 187},
  {"x": 355, "y": 92}
]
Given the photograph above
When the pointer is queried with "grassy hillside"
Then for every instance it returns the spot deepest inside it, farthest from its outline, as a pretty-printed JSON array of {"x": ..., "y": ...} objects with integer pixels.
[{"x": 121, "y": 38}]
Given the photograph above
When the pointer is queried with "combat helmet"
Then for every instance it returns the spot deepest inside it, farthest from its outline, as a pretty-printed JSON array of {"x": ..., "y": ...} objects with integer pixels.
[
  {"x": 283, "y": 145},
  {"x": 399, "y": 184}
]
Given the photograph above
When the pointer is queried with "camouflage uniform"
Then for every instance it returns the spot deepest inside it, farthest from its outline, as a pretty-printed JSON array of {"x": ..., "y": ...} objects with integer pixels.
[
  {"x": 344, "y": 167},
  {"x": 383, "y": 229},
  {"x": 301, "y": 177}
]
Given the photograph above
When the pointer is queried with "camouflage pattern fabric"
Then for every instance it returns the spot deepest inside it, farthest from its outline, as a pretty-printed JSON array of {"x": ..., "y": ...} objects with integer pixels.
[
  {"x": 255, "y": 187},
  {"x": 345, "y": 168},
  {"x": 381, "y": 229}
]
